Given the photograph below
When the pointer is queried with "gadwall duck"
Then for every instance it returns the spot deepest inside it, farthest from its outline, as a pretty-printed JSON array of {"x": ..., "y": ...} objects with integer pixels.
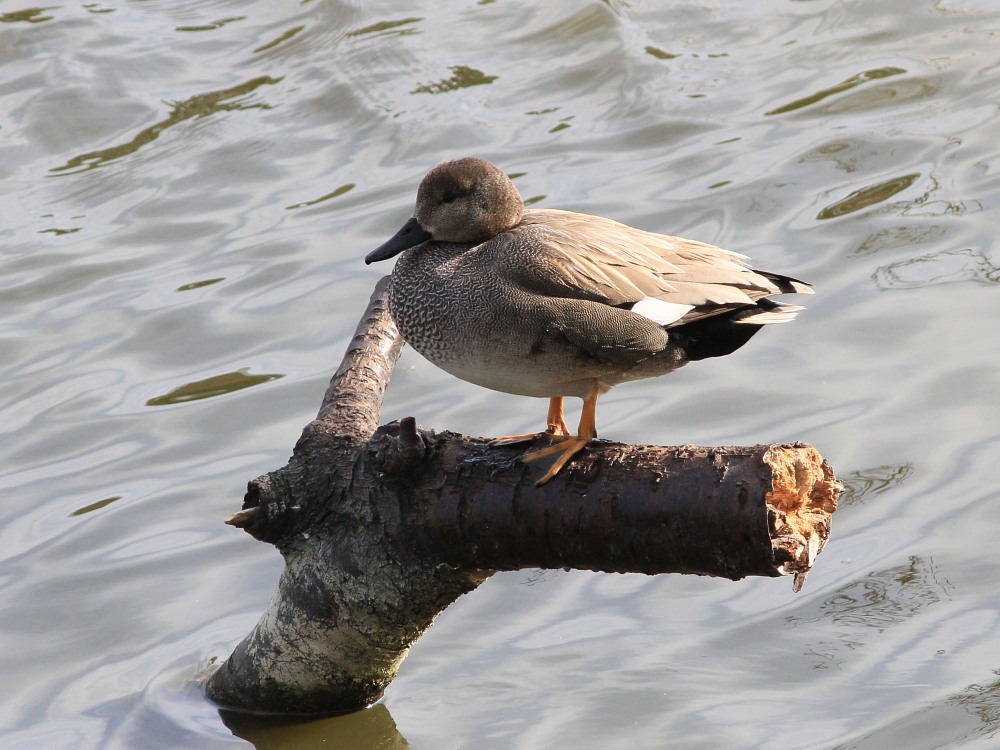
[{"x": 540, "y": 302}]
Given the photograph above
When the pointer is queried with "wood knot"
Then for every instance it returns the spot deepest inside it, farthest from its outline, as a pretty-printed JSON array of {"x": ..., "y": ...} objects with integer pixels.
[
  {"x": 264, "y": 511},
  {"x": 251, "y": 504},
  {"x": 399, "y": 448}
]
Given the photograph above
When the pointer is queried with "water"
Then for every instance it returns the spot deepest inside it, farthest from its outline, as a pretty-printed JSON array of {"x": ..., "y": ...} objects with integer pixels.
[{"x": 188, "y": 190}]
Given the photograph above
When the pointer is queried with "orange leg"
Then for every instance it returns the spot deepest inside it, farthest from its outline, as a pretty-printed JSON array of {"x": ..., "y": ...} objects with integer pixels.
[
  {"x": 555, "y": 426},
  {"x": 568, "y": 447},
  {"x": 555, "y": 421}
]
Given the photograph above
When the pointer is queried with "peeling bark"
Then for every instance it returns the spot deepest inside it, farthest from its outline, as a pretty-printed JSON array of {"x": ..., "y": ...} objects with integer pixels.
[{"x": 382, "y": 528}]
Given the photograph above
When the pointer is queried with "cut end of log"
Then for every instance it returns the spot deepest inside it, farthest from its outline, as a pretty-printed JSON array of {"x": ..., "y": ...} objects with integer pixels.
[{"x": 803, "y": 496}]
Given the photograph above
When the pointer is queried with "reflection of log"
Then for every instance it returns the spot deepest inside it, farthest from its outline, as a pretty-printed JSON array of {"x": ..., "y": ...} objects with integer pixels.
[
  {"x": 363, "y": 730},
  {"x": 383, "y": 528}
]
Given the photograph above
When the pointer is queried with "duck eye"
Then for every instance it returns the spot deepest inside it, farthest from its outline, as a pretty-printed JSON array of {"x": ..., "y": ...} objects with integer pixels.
[{"x": 448, "y": 197}]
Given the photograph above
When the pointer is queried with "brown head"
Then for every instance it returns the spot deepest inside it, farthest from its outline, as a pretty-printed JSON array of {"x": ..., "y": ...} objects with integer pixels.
[{"x": 465, "y": 201}]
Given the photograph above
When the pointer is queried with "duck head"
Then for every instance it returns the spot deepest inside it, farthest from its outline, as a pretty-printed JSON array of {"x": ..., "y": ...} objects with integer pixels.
[{"x": 465, "y": 201}]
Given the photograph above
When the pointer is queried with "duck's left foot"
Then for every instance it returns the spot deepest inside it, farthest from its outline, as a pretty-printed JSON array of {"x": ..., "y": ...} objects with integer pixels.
[
  {"x": 556, "y": 428},
  {"x": 567, "y": 447}
]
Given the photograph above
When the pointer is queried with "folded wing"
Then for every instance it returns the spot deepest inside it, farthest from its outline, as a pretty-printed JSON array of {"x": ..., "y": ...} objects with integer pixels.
[{"x": 670, "y": 280}]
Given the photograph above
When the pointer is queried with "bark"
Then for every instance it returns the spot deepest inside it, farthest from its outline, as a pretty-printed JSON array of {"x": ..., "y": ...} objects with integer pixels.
[{"x": 382, "y": 528}]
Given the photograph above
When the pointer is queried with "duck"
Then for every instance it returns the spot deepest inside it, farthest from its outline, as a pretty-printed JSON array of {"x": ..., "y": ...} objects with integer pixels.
[{"x": 554, "y": 304}]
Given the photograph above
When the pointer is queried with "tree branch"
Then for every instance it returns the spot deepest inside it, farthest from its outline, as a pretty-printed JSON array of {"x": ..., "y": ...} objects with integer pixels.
[{"x": 382, "y": 528}]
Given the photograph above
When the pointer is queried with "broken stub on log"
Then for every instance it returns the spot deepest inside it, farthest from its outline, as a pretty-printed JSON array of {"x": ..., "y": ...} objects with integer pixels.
[{"x": 382, "y": 527}]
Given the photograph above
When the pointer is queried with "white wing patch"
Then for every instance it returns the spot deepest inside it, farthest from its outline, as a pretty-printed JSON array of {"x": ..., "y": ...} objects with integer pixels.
[{"x": 659, "y": 311}]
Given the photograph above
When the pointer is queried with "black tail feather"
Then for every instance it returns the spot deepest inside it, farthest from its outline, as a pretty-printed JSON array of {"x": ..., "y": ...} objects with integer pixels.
[
  {"x": 716, "y": 336},
  {"x": 787, "y": 284}
]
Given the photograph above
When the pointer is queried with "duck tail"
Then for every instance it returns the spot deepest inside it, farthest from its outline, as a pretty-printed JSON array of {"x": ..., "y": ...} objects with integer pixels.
[
  {"x": 786, "y": 284},
  {"x": 765, "y": 312},
  {"x": 720, "y": 335}
]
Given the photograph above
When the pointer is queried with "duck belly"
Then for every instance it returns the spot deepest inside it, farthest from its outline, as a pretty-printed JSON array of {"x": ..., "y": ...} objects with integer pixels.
[{"x": 498, "y": 357}]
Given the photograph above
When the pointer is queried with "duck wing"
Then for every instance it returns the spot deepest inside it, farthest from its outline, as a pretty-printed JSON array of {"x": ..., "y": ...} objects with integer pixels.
[{"x": 670, "y": 280}]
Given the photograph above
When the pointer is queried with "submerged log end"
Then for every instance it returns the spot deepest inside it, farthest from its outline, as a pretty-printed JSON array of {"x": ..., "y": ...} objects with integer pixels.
[{"x": 803, "y": 496}]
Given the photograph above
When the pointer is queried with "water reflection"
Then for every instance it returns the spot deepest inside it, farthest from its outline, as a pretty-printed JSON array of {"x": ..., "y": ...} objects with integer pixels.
[
  {"x": 878, "y": 601},
  {"x": 217, "y": 385},
  {"x": 856, "y": 80},
  {"x": 563, "y": 124},
  {"x": 860, "y": 485},
  {"x": 983, "y": 702},
  {"x": 328, "y": 196},
  {"x": 387, "y": 28},
  {"x": 200, "y": 105},
  {"x": 951, "y": 722},
  {"x": 659, "y": 54},
  {"x": 199, "y": 284},
  {"x": 60, "y": 232},
  {"x": 848, "y": 154},
  {"x": 902, "y": 235},
  {"x": 96, "y": 506},
  {"x": 371, "y": 729},
  {"x": 887, "y": 597},
  {"x": 462, "y": 77},
  {"x": 280, "y": 40},
  {"x": 30, "y": 15},
  {"x": 943, "y": 267},
  {"x": 868, "y": 196},
  {"x": 211, "y": 26},
  {"x": 924, "y": 207}
]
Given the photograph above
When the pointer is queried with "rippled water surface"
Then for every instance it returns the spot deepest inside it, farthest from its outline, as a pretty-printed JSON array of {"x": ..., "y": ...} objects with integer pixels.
[{"x": 188, "y": 190}]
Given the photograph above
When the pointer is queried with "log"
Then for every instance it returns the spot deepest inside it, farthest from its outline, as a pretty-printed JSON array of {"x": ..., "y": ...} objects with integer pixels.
[{"x": 382, "y": 527}]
